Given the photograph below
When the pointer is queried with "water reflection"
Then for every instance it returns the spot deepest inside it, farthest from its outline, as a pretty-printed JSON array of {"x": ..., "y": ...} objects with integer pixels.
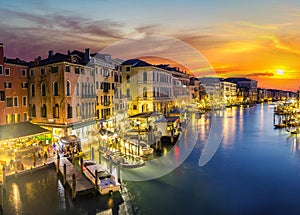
[
  {"x": 41, "y": 193},
  {"x": 293, "y": 141},
  {"x": 15, "y": 199}
]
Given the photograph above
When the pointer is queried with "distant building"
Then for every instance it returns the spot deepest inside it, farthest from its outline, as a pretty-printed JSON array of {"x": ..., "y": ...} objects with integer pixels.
[
  {"x": 194, "y": 87},
  {"x": 228, "y": 92},
  {"x": 246, "y": 89},
  {"x": 181, "y": 81},
  {"x": 211, "y": 91},
  {"x": 13, "y": 89},
  {"x": 107, "y": 83},
  {"x": 62, "y": 93},
  {"x": 147, "y": 87}
]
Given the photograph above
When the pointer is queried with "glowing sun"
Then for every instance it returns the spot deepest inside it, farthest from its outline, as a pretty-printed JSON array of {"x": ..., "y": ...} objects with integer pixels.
[{"x": 280, "y": 71}]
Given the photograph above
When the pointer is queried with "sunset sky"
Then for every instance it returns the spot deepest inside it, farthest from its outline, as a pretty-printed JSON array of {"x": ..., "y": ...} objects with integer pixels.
[{"x": 255, "y": 39}]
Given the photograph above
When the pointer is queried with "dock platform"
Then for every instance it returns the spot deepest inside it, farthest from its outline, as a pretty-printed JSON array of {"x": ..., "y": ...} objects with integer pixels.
[{"x": 82, "y": 184}]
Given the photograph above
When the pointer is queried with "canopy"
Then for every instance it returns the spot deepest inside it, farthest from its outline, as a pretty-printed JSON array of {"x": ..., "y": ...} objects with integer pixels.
[
  {"x": 70, "y": 139},
  {"x": 21, "y": 129}
]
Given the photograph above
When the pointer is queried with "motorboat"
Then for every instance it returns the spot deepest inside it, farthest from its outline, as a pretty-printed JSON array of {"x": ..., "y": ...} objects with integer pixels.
[{"x": 106, "y": 183}]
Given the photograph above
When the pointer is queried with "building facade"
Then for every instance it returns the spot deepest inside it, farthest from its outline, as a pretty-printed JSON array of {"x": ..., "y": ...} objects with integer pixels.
[
  {"x": 62, "y": 94},
  {"x": 147, "y": 87},
  {"x": 228, "y": 92},
  {"x": 246, "y": 89},
  {"x": 13, "y": 90}
]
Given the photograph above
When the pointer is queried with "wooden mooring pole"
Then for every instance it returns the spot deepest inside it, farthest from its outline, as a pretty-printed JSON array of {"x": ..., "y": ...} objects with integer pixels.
[{"x": 73, "y": 187}]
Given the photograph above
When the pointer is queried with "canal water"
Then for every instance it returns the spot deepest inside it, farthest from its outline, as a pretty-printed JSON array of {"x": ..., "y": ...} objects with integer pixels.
[{"x": 256, "y": 170}]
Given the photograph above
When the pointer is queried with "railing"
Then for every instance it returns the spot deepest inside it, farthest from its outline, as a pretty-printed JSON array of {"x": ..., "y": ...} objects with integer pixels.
[{"x": 88, "y": 96}]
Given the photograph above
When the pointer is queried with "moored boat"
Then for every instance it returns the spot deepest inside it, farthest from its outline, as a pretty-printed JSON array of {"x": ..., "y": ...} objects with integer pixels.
[{"x": 106, "y": 182}]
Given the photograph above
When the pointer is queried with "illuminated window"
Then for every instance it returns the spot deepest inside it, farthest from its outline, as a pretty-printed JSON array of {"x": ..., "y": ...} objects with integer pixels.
[
  {"x": 8, "y": 118},
  {"x": 17, "y": 117}
]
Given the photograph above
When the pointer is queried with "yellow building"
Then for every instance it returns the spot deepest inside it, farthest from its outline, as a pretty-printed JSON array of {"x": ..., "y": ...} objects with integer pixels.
[{"x": 147, "y": 87}]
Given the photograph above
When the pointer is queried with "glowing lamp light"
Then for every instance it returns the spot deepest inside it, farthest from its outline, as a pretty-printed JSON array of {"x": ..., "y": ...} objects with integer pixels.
[{"x": 104, "y": 137}]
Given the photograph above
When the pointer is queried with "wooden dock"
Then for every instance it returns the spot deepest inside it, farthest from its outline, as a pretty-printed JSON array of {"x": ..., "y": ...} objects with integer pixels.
[{"x": 81, "y": 186}]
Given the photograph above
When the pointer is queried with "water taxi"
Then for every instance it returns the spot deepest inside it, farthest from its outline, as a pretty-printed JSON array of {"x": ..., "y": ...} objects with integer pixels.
[{"x": 106, "y": 182}]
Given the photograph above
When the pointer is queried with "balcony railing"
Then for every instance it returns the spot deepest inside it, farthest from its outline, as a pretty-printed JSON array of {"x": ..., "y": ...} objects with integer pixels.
[{"x": 88, "y": 96}]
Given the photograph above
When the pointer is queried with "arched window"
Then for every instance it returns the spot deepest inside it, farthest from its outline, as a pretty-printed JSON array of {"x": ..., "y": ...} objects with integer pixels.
[
  {"x": 128, "y": 93},
  {"x": 78, "y": 113},
  {"x": 68, "y": 85},
  {"x": 44, "y": 111},
  {"x": 88, "y": 89},
  {"x": 85, "y": 89},
  {"x": 55, "y": 88},
  {"x": 92, "y": 89},
  {"x": 145, "y": 92},
  {"x": 83, "y": 111},
  {"x": 56, "y": 111},
  {"x": 43, "y": 89},
  {"x": 82, "y": 89},
  {"x": 77, "y": 89},
  {"x": 70, "y": 114},
  {"x": 32, "y": 90},
  {"x": 33, "y": 111}
]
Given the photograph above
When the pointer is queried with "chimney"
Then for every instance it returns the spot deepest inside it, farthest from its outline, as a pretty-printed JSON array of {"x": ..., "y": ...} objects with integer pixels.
[
  {"x": 69, "y": 52},
  {"x": 1, "y": 53},
  {"x": 36, "y": 61},
  {"x": 50, "y": 54},
  {"x": 87, "y": 55}
]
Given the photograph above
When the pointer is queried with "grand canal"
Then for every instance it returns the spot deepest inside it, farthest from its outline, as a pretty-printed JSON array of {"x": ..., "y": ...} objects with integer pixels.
[{"x": 256, "y": 170}]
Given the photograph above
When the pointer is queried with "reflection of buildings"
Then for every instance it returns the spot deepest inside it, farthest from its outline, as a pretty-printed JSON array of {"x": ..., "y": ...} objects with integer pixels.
[
  {"x": 61, "y": 93},
  {"x": 13, "y": 90}
]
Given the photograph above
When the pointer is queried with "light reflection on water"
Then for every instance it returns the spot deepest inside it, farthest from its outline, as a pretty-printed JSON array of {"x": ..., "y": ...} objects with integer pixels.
[
  {"x": 255, "y": 171},
  {"x": 42, "y": 193}
]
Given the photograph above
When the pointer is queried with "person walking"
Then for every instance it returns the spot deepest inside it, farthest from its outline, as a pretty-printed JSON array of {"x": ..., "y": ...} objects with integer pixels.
[{"x": 45, "y": 155}]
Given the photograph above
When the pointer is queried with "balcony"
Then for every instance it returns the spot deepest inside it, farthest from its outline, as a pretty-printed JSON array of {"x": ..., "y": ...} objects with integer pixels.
[{"x": 88, "y": 96}]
